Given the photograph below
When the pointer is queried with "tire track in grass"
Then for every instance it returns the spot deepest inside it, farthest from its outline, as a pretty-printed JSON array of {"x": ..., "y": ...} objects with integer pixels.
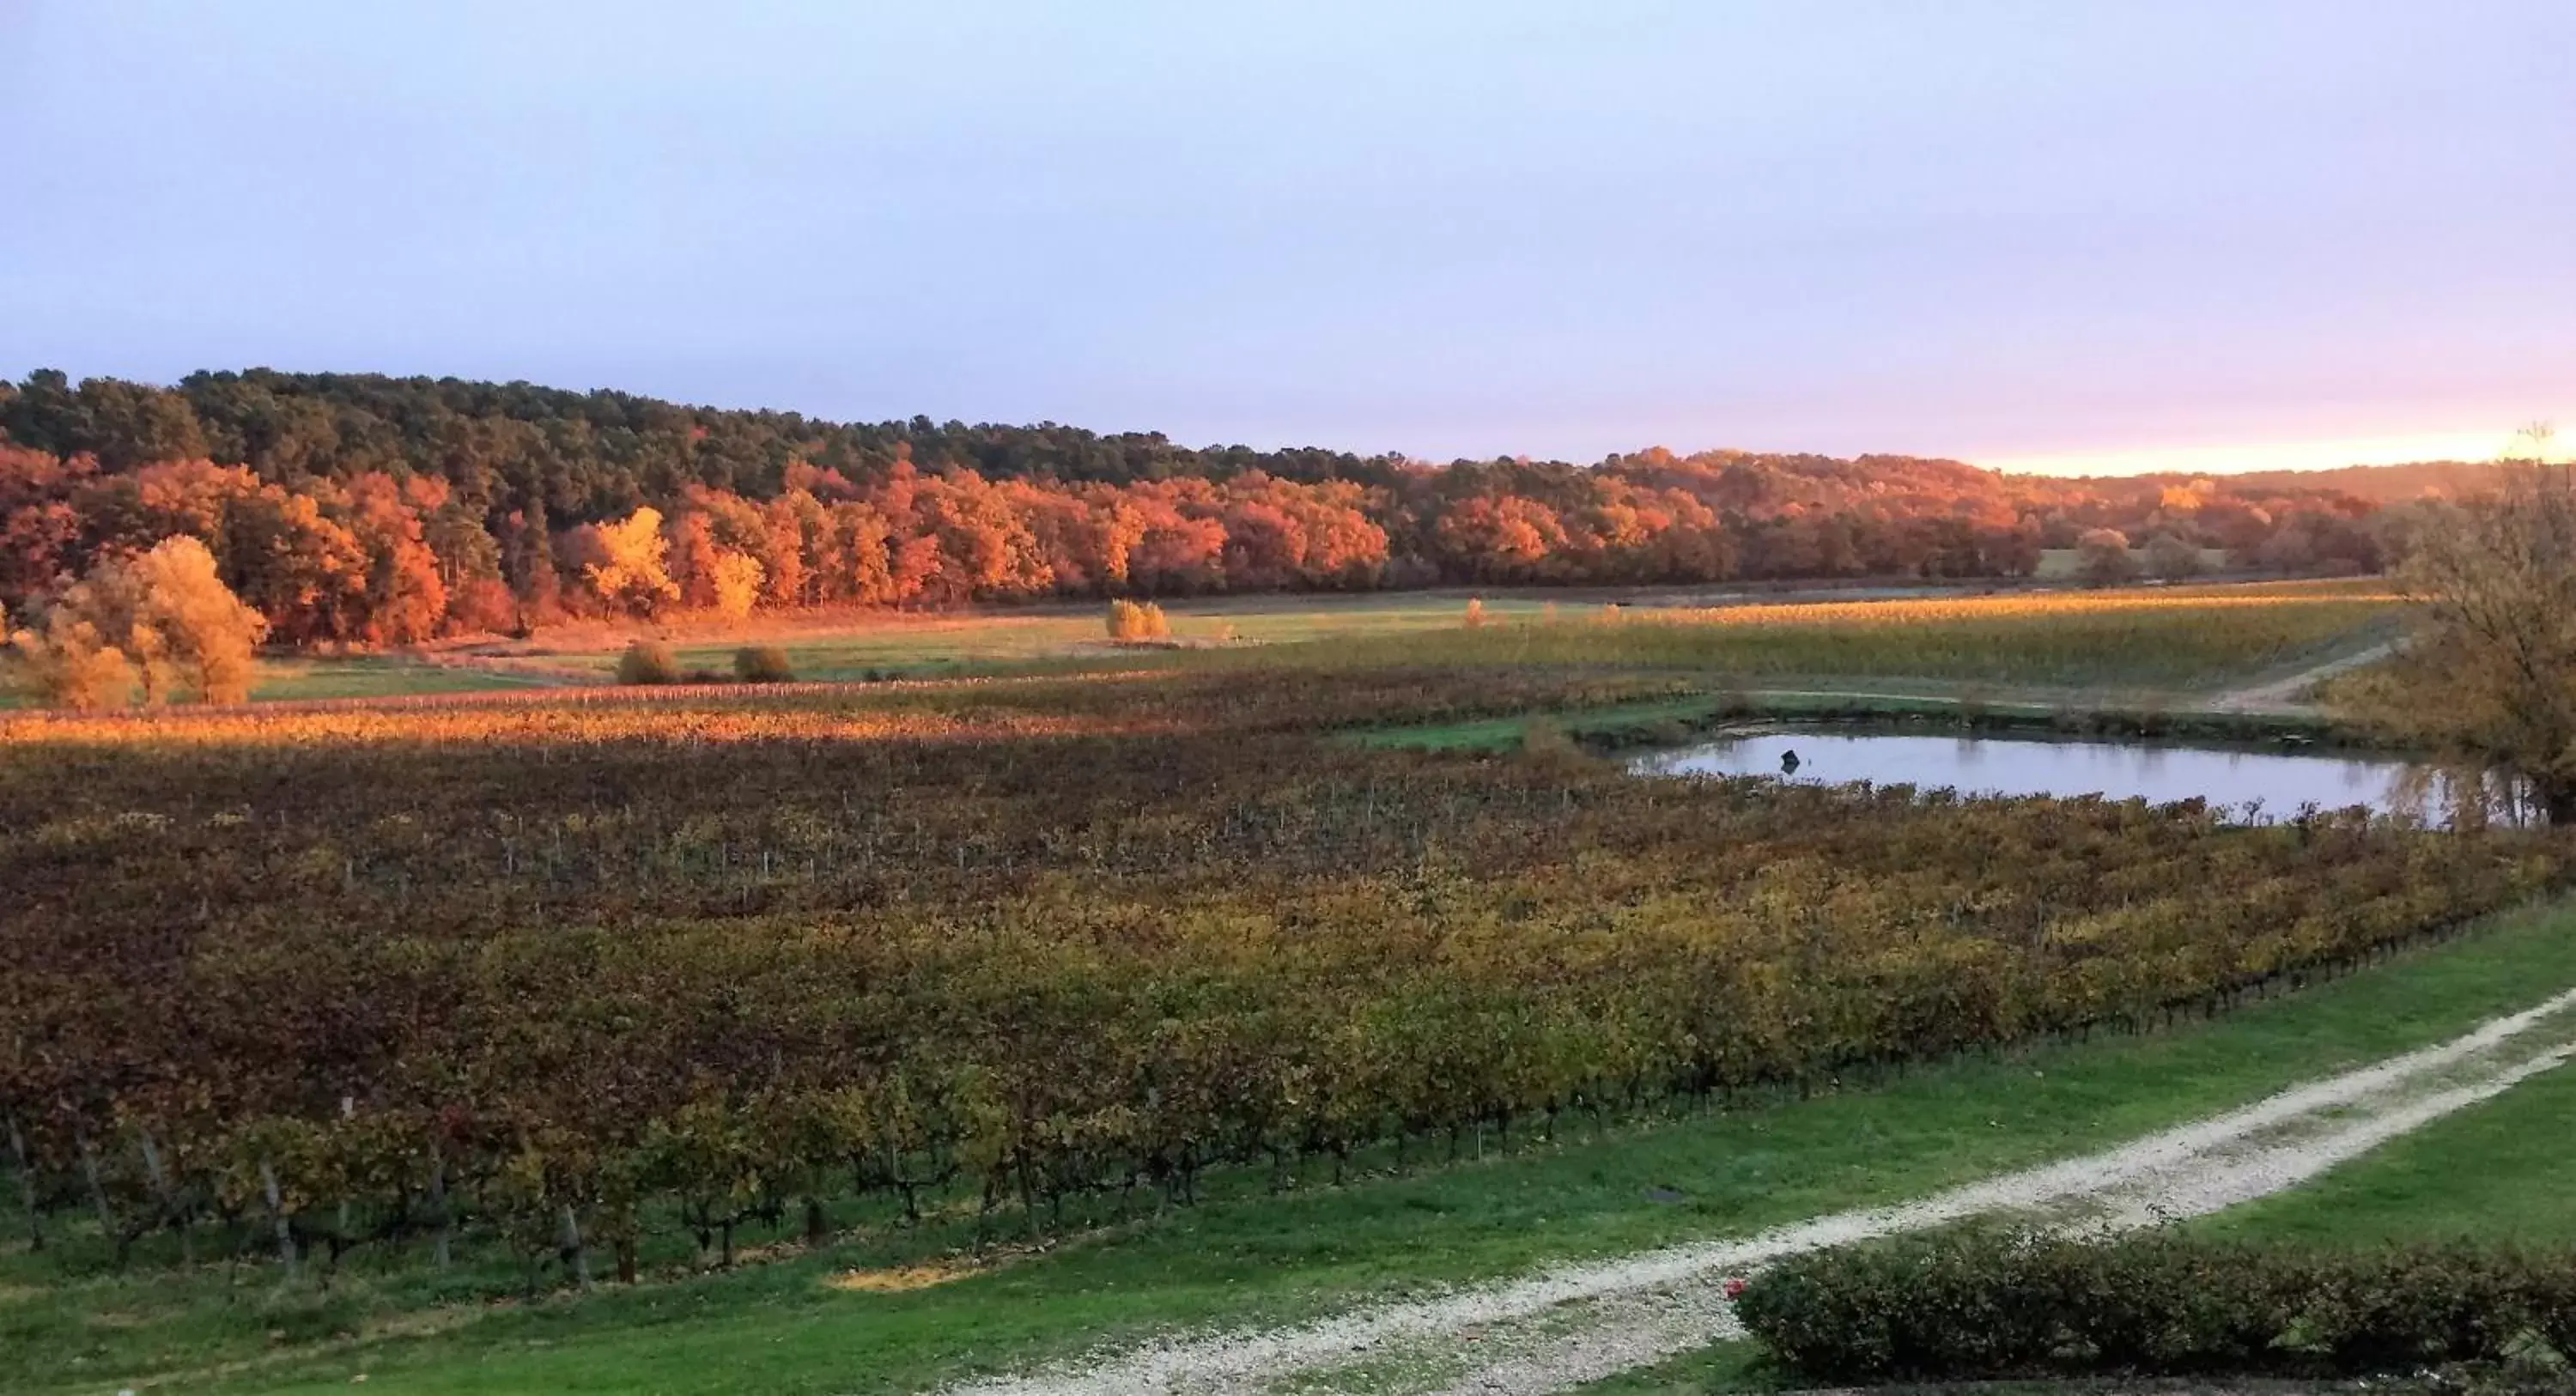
[{"x": 1558, "y": 1329}]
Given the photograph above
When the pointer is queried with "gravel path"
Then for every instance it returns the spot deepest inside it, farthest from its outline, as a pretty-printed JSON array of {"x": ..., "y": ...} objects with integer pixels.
[
  {"x": 2290, "y": 695},
  {"x": 1556, "y": 1330}
]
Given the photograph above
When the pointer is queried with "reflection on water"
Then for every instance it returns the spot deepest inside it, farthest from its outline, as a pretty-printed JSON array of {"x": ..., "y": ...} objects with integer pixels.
[{"x": 2253, "y": 784}]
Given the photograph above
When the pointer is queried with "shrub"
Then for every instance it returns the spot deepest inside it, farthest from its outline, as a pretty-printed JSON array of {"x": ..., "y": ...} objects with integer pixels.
[
  {"x": 762, "y": 664},
  {"x": 2102, "y": 557},
  {"x": 648, "y": 661},
  {"x": 2172, "y": 558},
  {"x": 1982, "y": 1305},
  {"x": 483, "y": 605},
  {"x": 1132, "y": 620},
  {"x": 1546, "y": 744},
  {"x": 68, "y": 664},
  {"x": 1475, "y": 613}
]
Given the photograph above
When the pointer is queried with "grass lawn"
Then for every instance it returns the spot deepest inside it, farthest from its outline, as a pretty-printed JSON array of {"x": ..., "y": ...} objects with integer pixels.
[
  {"x": 2066, "y": 564},
  {"x": 278, "y": 679},
  {"x": 368, "y": 676},
  {"x": 2501, "y": 1170},
  {"x": 780, "y": 1327}
]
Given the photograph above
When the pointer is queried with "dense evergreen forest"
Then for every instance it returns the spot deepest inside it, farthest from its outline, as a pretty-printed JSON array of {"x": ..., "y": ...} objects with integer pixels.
[{"x": 361, "y": 509}]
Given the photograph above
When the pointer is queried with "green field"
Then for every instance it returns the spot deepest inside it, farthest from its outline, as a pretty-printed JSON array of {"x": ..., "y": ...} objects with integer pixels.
[
  {"x": 296, "y": 678},
  {"x": 1048, "y": 637},
  {"x": 2498, "y": 1171},
  {"x": 2066, "y": 564}
]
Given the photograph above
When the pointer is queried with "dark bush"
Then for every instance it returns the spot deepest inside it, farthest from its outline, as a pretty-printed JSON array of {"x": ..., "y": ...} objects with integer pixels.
[
  {"x": 762, "y": 664},
  {"x": 1980, "y": 1305},
  {"x": 648, "y": 661}
]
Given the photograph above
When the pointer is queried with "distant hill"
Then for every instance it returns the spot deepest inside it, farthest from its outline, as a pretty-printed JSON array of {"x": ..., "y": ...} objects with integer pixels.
[{"x": 369, "y": 509}]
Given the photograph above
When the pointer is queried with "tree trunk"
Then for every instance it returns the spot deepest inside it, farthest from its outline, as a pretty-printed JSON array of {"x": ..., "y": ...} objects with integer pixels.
[
  {"x": 27, "y": 1188},
  {"x": 173, "y": 1212},
  {"x": 574, "y": 1250},
  {"x": 98, "y": 1199},
  {"x": 2557, "y": 800},
  {"x": 277, "y": 1211},
  {"x": 444, "y": 1248}
]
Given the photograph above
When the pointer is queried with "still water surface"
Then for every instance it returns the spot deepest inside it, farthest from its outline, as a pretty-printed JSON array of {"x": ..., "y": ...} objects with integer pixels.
[{"x": 2273, "y": 783}]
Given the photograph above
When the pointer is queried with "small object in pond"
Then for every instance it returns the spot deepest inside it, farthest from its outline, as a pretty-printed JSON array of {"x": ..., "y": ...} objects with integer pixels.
[{"x": 1789, "y": 762}]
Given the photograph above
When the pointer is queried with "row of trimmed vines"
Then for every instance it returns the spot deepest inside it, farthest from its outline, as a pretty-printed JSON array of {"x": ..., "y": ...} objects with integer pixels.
[{"x": 561, "y": 974}]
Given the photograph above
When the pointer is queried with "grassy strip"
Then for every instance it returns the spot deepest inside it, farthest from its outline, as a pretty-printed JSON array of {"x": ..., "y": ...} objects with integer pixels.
[
  {"x": 781, "y": 1327},
  {"x": 1664, "y": 722},
  {"x": 368, "y": 676},
  {"x": 284, "y": 678},
  {"x": 2498, "y": 1171},
  {"x": 1736, "y": 1366}
]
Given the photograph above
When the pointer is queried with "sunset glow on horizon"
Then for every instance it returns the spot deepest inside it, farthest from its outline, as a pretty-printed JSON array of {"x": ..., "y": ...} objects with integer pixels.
[{"x": 2241, "y": 457}]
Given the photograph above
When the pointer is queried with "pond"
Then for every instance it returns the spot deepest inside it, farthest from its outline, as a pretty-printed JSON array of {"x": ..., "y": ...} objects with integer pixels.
[{"x": 2253, "y": 783}]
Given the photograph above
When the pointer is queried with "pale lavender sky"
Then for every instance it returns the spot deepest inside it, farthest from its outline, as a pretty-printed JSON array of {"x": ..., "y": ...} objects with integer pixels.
[{"x": 2006, "y": 231}]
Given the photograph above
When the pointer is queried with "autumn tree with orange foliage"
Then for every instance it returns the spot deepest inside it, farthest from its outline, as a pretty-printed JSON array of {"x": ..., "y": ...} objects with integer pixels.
[{"x": 406, "y": 592}]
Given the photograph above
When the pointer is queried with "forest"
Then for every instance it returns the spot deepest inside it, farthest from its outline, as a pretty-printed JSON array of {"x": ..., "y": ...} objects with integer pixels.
[{"x": 360, "y": 510}]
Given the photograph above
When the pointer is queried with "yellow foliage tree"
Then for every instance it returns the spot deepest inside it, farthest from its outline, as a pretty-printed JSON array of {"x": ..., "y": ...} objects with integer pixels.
[
  {"x": 158, "y": 619},
  {"x": 201, "y": 627},
  {"x": 737, "y": 579},
  {"x": 66, "y": 663},
  {"x": 1131, "y": 620},
  {"x": 630, "y": 563}
]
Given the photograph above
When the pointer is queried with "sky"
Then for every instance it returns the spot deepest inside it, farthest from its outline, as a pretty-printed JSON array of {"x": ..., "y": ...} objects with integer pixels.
[{"x": 2055, "y": 234}]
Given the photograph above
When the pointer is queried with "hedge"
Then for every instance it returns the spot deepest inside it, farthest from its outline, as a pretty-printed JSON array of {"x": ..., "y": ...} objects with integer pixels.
[{"x": 1985, "y": 1304}]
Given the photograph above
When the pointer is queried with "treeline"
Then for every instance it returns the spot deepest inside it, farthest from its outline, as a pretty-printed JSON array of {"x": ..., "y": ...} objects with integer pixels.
[{"x": 371, "y": 510}]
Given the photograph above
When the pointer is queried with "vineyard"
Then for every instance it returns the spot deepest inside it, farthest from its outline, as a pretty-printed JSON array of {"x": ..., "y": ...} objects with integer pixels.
[{"x": 577, "y": 977}]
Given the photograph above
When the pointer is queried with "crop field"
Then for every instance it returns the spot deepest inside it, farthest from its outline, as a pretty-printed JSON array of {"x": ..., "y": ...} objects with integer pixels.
[
  {"x": 2178, "y": 639},
  {"x": 2182, "y": 637},
  {"x": 1000, "y": 640},
  {"x": 335, "y": 1030}
]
